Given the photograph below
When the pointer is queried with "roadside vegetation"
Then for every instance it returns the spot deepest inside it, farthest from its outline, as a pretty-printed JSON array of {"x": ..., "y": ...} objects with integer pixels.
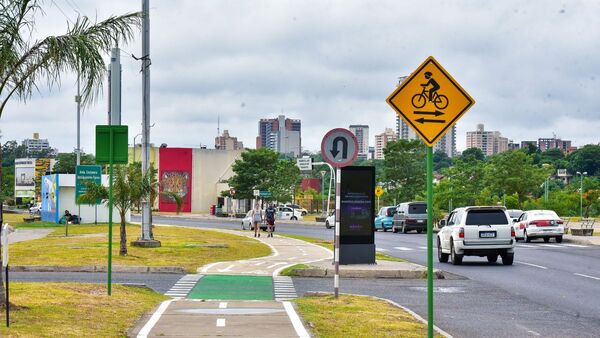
[
  {"x": 182, "y": 247},
  {"x": 357, "y": 316},
  {"x": 75, "y": 309}
]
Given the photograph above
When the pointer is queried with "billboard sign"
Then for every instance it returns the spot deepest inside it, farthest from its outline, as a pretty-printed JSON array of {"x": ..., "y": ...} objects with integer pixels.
[{"x": 85, "y": 174}]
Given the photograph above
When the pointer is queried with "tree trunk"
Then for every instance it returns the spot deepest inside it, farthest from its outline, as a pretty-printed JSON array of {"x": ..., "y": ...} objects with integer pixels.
[{"x": 123, "y": 246}]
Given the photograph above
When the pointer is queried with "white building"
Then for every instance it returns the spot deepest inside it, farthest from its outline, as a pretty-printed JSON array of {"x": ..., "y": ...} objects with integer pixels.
[
  {"x": 362, "y": 135},
  {"x": 382, "y": 140},
  {"x": 36, "y": 144},
  {"x": 490, "y": 142}
]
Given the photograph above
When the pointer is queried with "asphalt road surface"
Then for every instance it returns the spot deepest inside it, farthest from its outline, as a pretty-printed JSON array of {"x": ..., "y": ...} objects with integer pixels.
[{"x": 547, "y": 281}]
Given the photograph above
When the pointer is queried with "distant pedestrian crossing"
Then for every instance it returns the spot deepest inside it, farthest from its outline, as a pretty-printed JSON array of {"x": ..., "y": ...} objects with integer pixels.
[
  {"x": 284, "y": 288},
  {"x": 183, "y": 286}
]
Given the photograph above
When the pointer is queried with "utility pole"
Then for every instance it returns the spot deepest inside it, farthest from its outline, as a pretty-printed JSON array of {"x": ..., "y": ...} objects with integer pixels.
[
  {"x": 146, "y": 238},
  {"x": 78, "y": 100}
]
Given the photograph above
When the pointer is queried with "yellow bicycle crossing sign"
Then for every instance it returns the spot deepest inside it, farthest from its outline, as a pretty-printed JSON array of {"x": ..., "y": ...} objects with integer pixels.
[
  {"x": 378, "y": 191},
  {"x": 430, "y": 101}
]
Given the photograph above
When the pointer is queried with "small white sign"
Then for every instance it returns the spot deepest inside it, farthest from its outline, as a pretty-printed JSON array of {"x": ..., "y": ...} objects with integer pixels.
[
  {"x": 304, "y": 163},
  {"x": 256, "y": 192}
]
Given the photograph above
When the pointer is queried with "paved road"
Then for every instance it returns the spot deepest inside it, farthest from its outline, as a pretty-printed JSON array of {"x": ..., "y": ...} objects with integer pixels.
[{"x": 561, "y": 278}]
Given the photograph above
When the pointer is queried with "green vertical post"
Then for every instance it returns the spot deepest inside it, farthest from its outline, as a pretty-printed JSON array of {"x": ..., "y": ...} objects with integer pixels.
[
  {"x": 110, "y": 211},
  {"x": 430, "y": 242}
]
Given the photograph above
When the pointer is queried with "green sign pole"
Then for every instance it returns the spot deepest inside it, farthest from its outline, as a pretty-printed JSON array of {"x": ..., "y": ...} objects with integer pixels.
[
  {"x": 110, "y": 212},
  {"x": 430, "y": 242}
]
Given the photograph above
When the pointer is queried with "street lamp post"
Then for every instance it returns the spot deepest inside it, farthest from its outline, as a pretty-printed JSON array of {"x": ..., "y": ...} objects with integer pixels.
[
  {"x": 135, "y": 137},
  {"x": 323, "y": 172},
  {"x": 581, "y": 174}
]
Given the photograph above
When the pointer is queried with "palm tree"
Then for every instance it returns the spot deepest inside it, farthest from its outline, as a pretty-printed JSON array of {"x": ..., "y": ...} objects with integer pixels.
[
  {"x": 129, "y": 187},
  {"x": 25, "y": 63}
]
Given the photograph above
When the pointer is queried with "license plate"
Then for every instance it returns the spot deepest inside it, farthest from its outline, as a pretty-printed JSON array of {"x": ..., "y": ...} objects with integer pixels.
[
  {"x": 419, "y": 221},
  {"x": 487, "y": 234}
]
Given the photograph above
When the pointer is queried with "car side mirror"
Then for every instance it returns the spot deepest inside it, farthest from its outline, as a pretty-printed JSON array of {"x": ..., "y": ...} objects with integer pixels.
[
  {"x": 515, "y": 220},
  {"x": 442, "y": 223}
]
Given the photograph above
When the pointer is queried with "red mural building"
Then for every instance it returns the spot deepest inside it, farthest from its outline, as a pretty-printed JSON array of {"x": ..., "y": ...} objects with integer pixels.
[{"x": 175, "y": 175}]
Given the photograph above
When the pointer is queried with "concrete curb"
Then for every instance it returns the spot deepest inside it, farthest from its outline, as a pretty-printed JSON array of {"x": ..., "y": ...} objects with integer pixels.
[
  {"x": 320, "y": 272},
  {"x": 585, "y": 240},
  {"x": 98, "y": 268}
]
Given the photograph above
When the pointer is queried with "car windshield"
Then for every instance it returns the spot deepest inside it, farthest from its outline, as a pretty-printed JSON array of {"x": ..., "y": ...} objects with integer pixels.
[
  {"x": 417, "y": 208},
  {"x": 477, "y": 217},
  {"x": 390, "y": 211},
  {"x": 547, "y": 214}
]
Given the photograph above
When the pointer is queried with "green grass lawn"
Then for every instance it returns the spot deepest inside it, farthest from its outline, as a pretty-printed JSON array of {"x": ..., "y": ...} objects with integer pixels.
[
  {"x": 75, "y": 310},
  {"x": 87, "y": 245},
  {"x": 357, "y": 316}
]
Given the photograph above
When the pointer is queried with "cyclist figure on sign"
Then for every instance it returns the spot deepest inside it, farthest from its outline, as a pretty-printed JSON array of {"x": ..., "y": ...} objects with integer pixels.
[{"x": 434, "y": 85}]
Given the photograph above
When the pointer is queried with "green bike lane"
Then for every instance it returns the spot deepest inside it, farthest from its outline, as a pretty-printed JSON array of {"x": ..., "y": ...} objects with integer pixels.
[{"x": 243, "y": 298}]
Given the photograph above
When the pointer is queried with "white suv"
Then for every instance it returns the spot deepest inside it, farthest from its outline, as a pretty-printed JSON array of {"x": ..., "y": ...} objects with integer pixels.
[{"x": 477, "y": 231}]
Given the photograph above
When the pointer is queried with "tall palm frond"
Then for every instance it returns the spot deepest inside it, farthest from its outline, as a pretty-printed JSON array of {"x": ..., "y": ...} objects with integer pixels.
[{"x": 23, "y": 63}]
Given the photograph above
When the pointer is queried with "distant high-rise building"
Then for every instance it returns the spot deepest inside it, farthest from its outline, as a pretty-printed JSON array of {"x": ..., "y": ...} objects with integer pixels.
[
  {"x": 36, "y": 144},
  {"x": 371, "y": 153},
  {"x": 281, "y": 135},
  {"x": 226, "y": 142},
  {"x": 525, "y": 144},
  {"x": 490, "y": 142},
  {"x": 551, "y": 143},
  {"x": 513, "y": 145},
  {"x": 404, "y": 131},
  {"x": 362, "y": 135},
  {"x": 382, "y": 140},
  {"x": 447, "y": 143}
]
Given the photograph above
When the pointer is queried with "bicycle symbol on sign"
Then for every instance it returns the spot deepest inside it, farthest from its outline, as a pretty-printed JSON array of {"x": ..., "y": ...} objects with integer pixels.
[{"x": 439, "y": 100}]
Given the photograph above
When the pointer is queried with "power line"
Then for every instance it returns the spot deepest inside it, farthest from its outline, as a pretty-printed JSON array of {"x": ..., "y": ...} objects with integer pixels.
[{"x": 63, "y": 13}]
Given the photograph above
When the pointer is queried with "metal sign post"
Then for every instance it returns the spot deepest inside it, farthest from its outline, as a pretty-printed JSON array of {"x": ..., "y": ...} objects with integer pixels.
[
  {"x": 111, "y": 148},
  {"x": 338, "y": 157},
  {"x": 431, "y": 102},
  {"x": 5, "y": 265}
]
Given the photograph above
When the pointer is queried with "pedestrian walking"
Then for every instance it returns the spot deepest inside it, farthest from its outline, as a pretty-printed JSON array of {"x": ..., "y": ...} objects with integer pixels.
[
  {"x": 257, "y": 219},
  {"x": 270, "y": 219}
]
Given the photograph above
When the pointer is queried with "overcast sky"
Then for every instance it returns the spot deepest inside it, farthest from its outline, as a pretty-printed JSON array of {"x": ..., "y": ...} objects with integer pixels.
[{"x": 533, "y": 68}]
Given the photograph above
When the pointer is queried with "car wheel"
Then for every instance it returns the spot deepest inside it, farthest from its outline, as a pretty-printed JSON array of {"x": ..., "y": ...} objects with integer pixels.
[
  {"x": 442, "y": 257},
  {"x": 559, "y": 239},
  {"x": 243, "y": 227},
  {"x": 547, "y": 239},
  {"x": 492, "y": 258},
  {"x": 527, "y": 238},
  {"x": 293, "y": 218},
  {"x": 304, "y": 213},
  {"x": 419, "y": 231},
  {"x": 456, "y": 258},
  {"x": 327, "y": 226},
  {"x": 508, "y": 258},
  {"x": 383, "y": 228},
  {"x": 394, "y": 230}
]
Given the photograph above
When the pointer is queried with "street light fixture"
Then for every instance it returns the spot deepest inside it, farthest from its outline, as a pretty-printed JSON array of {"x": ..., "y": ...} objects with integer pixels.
[
  {"x": 581, "y": 192},
  {"x": 135, "y": 137}
]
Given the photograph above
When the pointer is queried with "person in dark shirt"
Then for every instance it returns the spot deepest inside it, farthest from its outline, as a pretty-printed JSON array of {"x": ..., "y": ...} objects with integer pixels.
[
  {"x": 434, "y": 85},
  {"x": 270, "y": 219}
]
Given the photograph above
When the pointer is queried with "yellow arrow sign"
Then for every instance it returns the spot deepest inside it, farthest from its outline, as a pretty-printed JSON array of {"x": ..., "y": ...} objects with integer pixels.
[
  {"x": 430, "y": 101},
  {"x": 378, "y": 191}
]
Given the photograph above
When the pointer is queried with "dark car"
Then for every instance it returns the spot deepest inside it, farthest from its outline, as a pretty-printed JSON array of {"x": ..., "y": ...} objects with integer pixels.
[{"x": 410, "y": 216}]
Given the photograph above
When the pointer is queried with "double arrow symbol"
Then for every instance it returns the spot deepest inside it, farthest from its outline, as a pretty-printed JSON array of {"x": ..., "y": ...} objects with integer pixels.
[{"x": 423, "y": 120}]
